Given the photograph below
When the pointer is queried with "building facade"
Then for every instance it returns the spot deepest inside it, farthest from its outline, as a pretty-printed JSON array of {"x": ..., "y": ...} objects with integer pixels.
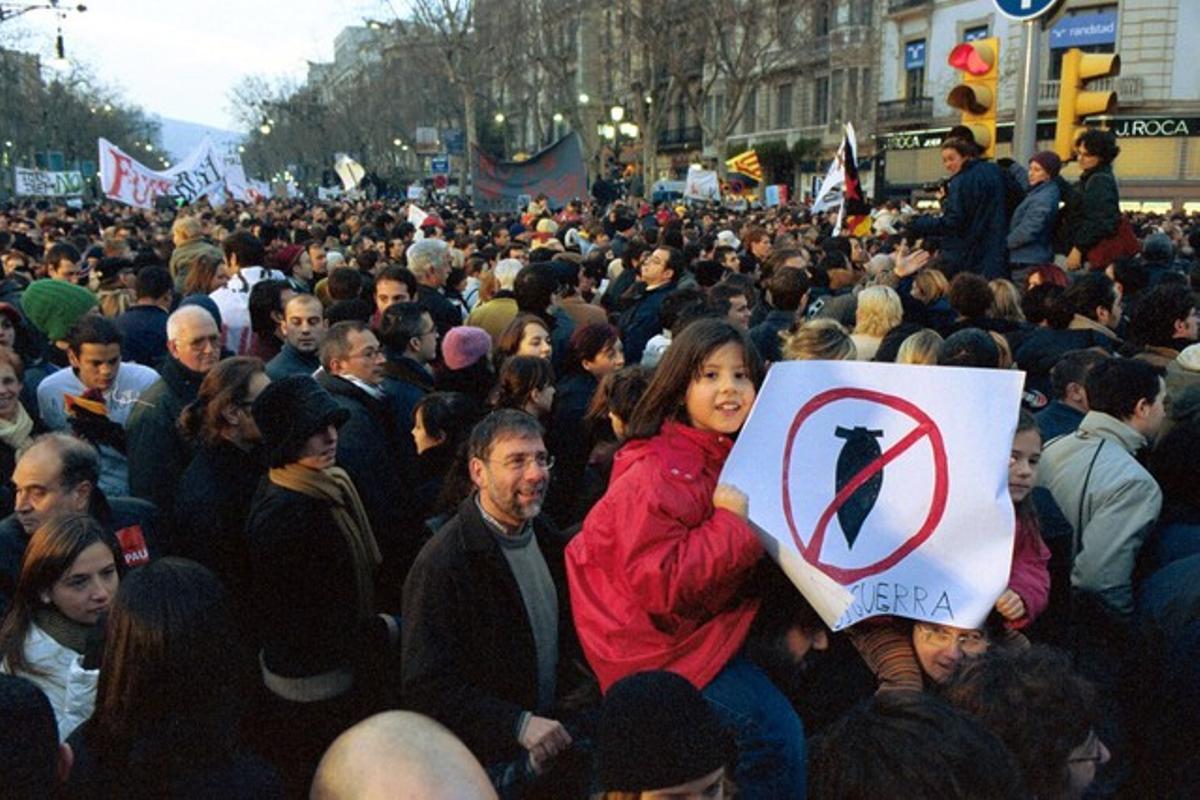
[{"x": 1158, "y": 90}]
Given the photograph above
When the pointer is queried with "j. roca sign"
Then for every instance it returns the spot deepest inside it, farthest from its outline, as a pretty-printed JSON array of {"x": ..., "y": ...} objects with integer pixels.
[{"x": 1155, "y": 126}]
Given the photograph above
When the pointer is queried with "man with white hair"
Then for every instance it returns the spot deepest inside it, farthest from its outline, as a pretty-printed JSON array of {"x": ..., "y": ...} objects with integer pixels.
[
  {"x": 157, "y": 453},
  {"x": 494, "y": 315},
  {"x": 399, "y": 754},
  {"x": 429, "y": 261}
]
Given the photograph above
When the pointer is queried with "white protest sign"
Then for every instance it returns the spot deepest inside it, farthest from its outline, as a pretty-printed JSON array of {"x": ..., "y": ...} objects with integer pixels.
[
  {"x": 126, "y": 180},
  {"x": 416, "y": 216},
  {"x": 40, "y": 183},
  {"x": 889, "y": 480},
  {"x": 348, "y": 170},
  {"x": 702, "y": 184}
]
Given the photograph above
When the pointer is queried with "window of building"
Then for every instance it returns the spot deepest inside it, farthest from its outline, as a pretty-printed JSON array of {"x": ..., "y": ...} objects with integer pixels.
[
  {"x": 822, "y": 17},
  {"x": 914, "y": 69},
  {"x": 975, "y": 32},
  {"x": 750, "y": 113},
  {"x": 860, "y": 12},
  {"x": 783, "y": 116},
  {"x": 820, "y": 113},
  {"x": 837, "y": 97}
]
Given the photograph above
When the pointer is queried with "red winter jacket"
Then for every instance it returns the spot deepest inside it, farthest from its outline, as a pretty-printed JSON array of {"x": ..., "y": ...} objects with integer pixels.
[
  {"x": 654, "y": 573},
  {"x": 1029, "y": 576}
]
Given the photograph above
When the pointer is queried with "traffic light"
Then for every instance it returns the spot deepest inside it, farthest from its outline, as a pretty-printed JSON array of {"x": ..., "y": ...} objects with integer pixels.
[
  {"x": 976, "y": 96},
  {"x": 1074, "y": 103}
]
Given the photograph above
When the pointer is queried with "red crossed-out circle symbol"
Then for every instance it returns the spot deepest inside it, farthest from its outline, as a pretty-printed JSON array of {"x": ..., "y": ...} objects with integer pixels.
[{"x": 925, "y": 429}]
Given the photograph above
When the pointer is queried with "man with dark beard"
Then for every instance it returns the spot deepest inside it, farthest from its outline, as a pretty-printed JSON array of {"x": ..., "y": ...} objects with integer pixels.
[{"x": 488, "y": 639}]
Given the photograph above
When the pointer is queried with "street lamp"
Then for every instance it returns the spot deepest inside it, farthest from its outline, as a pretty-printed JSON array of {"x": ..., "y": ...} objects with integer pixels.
[
  {"x": 265, "y": 128},
  {"x": 558, "y": 117},
  {"x": 149, "y": 147},
  {"x": 499, "y": 117},
  {"x": 616, "y": 113},
  {"x": 583, "y": 98},
  {"x": 397, "y": 142},
  {"x": 241, "y": 148}
]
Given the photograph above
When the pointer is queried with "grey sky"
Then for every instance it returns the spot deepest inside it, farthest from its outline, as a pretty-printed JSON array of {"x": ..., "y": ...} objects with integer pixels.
[{"x": 180, "y": 58}]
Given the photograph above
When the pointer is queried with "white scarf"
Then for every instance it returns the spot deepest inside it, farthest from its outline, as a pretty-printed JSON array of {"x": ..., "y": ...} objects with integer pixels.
[{"x": 15, "y": 433}]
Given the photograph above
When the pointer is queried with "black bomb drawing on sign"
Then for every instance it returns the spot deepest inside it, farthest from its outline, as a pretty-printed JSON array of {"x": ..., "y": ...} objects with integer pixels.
[{"x": 860, "y": 450}]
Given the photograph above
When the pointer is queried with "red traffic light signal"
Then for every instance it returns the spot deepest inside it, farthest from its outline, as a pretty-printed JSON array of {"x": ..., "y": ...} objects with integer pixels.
[{"x": 977, "y": 93}]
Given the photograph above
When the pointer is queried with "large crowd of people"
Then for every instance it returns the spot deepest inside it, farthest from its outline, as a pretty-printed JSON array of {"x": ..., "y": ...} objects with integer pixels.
[{"x": 302, "y": 499}]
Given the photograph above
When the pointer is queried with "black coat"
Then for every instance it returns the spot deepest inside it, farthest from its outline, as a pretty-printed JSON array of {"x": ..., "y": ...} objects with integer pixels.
[
  {"x": 973, "y": 223},
  {"x": 303, "y": 594},
  {"x": 210, "y": 513},
  {"x": 291, "y": 361},
  {"x": 570, "y": 443},
  {"x": 445, "y": 314},
  {"x": 368, "y": 449},
  {"x": 158, "y": 454},
  {"x": 468, "y": 654}
]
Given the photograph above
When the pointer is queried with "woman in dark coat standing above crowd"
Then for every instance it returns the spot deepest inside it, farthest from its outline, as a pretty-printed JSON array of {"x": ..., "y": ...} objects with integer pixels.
[
  {"x": 1093, "y": 209},
  {"x": 1031, "y": 231}
]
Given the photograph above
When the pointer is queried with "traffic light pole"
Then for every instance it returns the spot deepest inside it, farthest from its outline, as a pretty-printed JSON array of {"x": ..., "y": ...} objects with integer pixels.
[{"x": 1025, "y": 124}]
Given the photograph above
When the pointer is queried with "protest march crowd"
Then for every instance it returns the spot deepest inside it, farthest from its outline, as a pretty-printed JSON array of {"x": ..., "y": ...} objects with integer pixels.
[{"x": 350, "y": 500}]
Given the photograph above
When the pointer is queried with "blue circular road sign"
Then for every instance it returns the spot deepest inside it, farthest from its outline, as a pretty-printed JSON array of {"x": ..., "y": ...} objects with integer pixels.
[{"x": 1024, "y": 9}]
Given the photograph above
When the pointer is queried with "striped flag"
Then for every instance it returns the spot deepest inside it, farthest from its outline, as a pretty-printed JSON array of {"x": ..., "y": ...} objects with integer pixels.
[{"x": 747, "y": 164}]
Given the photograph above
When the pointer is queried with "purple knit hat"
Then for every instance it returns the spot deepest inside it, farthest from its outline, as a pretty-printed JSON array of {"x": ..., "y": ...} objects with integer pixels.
[
  {"x": 1049, "y": 161},
  {"x": 464, "y": 345}
]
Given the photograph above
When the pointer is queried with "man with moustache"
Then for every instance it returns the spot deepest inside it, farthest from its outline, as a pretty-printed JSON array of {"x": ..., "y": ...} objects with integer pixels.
[{"x": 488, "y": 640}]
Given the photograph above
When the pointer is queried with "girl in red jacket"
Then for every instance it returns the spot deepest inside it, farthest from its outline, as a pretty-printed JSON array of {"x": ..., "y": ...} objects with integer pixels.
[{"x": 658, "y": 570}]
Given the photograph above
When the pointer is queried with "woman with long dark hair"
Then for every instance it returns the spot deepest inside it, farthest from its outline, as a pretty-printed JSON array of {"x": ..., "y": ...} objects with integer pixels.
[
  {"x": 68, "y": 578},
  {"x": 217, "y": 487},
  {"x": 168, "y": 702}
]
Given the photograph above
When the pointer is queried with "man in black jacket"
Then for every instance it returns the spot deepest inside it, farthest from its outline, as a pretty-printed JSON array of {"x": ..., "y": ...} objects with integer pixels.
[
  {"x": 428, "y": 260},
  {"x": 303, "y": 328},
  {"x": 58, "y": 474},
  {"x": 157, "y": 452},
  {"x": 369, "y": 448},
  {"x": 488, "y": 647}
]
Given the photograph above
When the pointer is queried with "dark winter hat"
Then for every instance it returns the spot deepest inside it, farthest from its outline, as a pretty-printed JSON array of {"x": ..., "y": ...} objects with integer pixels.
[
  {"x": 292, "y": 409},
  {"x": 1049, "y": 161},
  {"x": 655, "y": 732},
  {"x": 465, "y": 345},
  {"x": 54, "y": 306}
]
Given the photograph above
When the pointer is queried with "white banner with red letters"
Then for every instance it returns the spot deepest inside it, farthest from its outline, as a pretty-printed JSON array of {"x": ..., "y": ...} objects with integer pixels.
[{"x": 126, "y": 180}]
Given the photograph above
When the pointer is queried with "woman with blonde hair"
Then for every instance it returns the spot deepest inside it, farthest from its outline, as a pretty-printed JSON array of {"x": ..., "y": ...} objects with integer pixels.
[
  {"x": 879, "y": 310},
  {"x": 818, "y": 340},
  {"x": 920, "y": 348},
  {"x": 1006, "y": 301}
]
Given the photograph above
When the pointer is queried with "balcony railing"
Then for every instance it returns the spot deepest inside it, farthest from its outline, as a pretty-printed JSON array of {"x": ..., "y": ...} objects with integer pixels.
[
  {"x": 1127, "y": 87},
  {"x": 680, "y": 137},
  {"x": 916, "y": 109}
]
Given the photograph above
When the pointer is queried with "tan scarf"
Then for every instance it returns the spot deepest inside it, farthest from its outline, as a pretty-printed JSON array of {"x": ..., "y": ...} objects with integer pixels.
[
  {"x": 334, "y": 486},
  {"x": 15, "y": 433}
]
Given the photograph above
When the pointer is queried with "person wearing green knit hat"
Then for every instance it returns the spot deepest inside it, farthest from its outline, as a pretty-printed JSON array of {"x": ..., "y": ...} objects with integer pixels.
[{"x": 53, "y": 307}]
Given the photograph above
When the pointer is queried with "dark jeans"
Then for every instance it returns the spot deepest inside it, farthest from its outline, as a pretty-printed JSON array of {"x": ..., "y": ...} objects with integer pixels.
[{"x": 768, "y": 734}]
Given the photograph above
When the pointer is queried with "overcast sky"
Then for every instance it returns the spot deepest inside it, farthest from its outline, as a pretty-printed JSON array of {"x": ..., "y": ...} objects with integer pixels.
[{"x": 179, "y": 58}]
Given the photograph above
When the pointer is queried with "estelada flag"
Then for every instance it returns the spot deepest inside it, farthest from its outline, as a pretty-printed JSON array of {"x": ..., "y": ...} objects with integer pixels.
[
  {"x": 858, "y": 213},
  {"x": 747, "y": 164}
]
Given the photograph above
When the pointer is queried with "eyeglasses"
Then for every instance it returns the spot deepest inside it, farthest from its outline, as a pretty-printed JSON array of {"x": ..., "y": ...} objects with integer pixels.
[
  {"x": 370, "y": 354},
  {"x": 971, "y": 642},
  {"x": 520, "y": 463},
  {"x": 204, "y": 343}
]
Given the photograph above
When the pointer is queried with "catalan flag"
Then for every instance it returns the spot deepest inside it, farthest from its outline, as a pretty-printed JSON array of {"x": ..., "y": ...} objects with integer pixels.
[{"x": 747, "y": 164}]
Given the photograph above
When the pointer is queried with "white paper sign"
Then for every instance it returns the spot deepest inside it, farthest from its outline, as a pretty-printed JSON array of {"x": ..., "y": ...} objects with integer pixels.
[
  {"x": 40, "y": 183},
  {"x": 702, "y": 184},
  {"x": 890, "y": 481}
]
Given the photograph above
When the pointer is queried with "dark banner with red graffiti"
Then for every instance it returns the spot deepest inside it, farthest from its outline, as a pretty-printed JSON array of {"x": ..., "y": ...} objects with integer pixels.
[{"x": 557, "y": 172}]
